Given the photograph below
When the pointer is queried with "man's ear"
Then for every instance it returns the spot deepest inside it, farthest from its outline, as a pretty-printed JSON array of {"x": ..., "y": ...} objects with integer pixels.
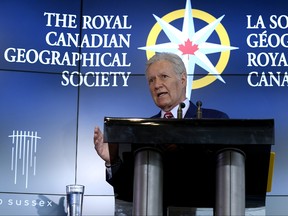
[{"x": 184, "y": 78}]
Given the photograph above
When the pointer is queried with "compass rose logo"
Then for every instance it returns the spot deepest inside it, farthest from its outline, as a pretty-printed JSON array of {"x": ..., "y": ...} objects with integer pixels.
[{"x": 192, "y": 46}]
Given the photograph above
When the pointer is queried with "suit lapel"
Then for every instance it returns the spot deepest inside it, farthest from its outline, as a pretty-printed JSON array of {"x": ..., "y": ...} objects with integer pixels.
[{"x": 191, "y": 112}]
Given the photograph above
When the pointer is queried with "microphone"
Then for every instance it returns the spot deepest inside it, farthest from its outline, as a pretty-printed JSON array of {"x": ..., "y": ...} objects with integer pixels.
[
  {"x": 199, "y": 109},
  {"x": 179, "y": 111}
]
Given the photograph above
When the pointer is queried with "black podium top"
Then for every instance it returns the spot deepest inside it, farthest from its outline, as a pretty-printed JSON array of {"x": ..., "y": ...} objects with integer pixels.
[
  {"x": 198, "y": 141},
  {"x": 188, "y": 131}
]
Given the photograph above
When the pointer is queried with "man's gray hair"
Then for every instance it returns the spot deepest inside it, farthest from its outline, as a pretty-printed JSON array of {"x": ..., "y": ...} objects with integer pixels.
[{"x": 175, "y": 60}]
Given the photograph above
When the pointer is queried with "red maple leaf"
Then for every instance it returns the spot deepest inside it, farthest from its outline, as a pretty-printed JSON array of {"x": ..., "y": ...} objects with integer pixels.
[{"x": 188, "y": 47}]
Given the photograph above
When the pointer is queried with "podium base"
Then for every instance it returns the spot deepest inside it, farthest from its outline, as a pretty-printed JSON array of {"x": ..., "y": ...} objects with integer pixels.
[{"x": 148, "y": 182}]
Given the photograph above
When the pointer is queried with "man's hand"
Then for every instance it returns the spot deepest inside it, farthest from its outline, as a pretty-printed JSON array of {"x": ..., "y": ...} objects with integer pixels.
[
  {"x": 109, "y": 153},
  {"x": 101, "y": 148}
]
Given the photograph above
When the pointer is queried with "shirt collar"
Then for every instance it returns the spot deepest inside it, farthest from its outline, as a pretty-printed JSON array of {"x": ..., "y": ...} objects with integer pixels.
[{"x": 175, "y": 109}]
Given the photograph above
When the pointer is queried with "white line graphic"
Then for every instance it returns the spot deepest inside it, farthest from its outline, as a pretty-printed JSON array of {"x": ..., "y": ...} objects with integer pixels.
[{"x": 23, "y": 154}]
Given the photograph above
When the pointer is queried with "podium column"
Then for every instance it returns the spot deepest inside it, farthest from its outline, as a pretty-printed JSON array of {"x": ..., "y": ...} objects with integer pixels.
[
  {"x": 230, "y": 183},
  {"x": 148, "y": 187}
]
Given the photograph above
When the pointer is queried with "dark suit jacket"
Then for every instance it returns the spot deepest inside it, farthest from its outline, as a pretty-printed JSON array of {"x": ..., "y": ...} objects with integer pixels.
[
  {"x": 122, "y": 180},
  {"x": 206, "y": 113}
]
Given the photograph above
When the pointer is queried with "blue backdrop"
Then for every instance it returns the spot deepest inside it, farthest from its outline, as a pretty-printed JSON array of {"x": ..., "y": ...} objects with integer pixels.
[{"x": 64, "y": 65}]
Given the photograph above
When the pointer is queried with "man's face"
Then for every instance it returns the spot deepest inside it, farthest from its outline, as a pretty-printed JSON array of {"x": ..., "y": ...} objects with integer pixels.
[{"x": 167, "y": 89}]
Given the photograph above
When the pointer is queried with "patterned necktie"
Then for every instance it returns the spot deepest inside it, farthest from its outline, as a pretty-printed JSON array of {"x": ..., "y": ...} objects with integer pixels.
[{"x": 168, "y": 115}]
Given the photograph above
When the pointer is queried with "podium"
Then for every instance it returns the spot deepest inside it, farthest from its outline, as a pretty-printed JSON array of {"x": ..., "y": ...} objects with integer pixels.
[{"x": 225, "y": 161}]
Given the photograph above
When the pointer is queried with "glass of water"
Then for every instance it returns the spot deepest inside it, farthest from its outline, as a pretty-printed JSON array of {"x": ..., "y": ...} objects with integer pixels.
[{"x": 74, "y": 195}]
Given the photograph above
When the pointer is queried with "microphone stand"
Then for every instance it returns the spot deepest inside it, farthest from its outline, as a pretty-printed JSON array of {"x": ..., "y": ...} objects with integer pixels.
[
  {"x": 179, "y": 111},
  {"x": 199, "y": 109}
]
